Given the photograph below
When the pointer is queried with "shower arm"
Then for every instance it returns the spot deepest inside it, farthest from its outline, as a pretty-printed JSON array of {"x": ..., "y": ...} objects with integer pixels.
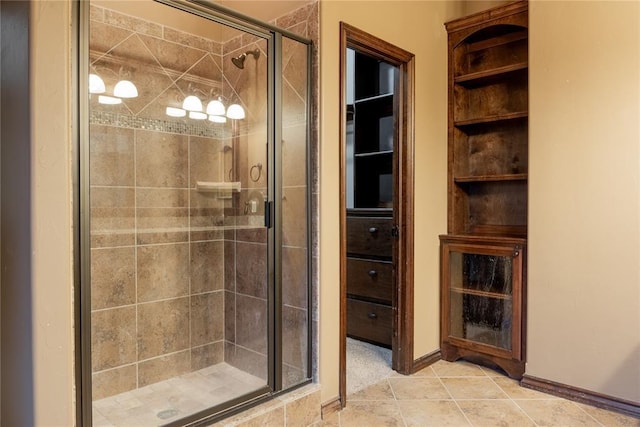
[{"x": 238, "y": 61}]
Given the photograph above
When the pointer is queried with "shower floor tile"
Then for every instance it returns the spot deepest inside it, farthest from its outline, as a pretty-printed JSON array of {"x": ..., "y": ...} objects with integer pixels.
[{"x": 160, "y": 403}]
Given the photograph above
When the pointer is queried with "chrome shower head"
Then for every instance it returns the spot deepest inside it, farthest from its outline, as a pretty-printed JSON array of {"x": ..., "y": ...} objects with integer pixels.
[{"x": 238, "y": 61}]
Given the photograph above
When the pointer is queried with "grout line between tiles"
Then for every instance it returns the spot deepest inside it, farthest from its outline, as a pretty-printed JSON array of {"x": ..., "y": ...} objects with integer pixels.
[
  {"x": 525, "y": 412},
  {"x": 588, "y": 414},
  {"x": 454, "y": 400},
  {"x": 135, "y": 251}
]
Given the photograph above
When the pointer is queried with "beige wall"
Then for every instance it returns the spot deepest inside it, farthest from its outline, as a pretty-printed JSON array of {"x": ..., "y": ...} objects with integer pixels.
[
  {"x": 419, "y": 28},
  {"x": 474, "y": 6},
  {"x": 584, "y": 250},
  {"x": 52, "y": 217}
]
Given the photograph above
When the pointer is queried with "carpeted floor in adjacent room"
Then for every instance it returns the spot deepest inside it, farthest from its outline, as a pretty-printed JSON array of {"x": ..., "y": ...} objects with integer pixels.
[{"x": 367, "y": 364}]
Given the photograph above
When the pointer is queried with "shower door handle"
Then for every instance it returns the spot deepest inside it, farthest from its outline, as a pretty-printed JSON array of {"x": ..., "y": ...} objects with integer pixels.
[{"x": 268, "y": 214}]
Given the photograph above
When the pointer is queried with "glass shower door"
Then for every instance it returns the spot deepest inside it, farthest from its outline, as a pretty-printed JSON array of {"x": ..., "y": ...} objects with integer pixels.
[{"x": 180, "y": 262}]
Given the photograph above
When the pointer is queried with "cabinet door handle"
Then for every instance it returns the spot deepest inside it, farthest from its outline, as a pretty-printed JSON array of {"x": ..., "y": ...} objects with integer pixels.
[
  {"x": 372, "y": 316},
  {"x": 372, "y": 273},
  {"x": 373, "y": 230}
]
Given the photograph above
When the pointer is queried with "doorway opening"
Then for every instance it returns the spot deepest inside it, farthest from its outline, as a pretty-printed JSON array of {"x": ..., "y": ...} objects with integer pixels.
[{"x": 376, "y": 208}]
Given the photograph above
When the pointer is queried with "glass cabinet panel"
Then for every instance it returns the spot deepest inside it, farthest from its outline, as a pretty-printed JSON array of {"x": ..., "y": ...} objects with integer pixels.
[
  {"x": 480, "y": 298},
  {"x": 483, "y": 290}
]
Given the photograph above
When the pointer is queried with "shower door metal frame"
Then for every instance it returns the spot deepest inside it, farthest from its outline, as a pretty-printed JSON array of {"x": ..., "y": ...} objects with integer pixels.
[{"x": 80, "y": 68}]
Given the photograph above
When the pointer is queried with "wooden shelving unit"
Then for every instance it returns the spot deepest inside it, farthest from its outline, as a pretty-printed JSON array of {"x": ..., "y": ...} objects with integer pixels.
[
  {"x": 370, "y": 280},
  {"x": 483, "y": 269}
]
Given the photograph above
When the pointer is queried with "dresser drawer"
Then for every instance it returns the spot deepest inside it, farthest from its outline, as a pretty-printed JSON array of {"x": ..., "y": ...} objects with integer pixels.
[
  {"x": 369, "y": 236},
  {"x": 370, "y": 279},
  {"x": 369, "y": 321}
]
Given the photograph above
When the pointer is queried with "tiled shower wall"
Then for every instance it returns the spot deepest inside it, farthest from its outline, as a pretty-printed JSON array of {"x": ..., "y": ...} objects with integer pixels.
[
  {"x": 157, "y": 257},
  {"x": 160, "y": 257}
]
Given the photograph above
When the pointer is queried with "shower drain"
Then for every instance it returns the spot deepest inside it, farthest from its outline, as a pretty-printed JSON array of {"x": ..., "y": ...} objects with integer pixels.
[{"x": 167, "y": 413}]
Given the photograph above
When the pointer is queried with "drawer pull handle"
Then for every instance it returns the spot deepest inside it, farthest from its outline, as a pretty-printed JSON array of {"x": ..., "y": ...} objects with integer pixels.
[
  {"x": 372, "y": 316},
  {"x": 373, "y": 230},
  {"x": 372, "y": 273}
]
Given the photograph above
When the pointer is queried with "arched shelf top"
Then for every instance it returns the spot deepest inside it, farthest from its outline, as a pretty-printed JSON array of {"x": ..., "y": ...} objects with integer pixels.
[
  {"x": 494, "y": 31},
  {"x": 508, "y": 32}
]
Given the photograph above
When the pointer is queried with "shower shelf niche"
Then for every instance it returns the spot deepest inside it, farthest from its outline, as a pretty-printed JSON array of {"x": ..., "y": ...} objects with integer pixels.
[{"x": 223, "y": 189}]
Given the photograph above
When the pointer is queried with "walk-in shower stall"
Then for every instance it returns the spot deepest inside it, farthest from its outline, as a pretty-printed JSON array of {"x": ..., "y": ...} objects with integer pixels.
[{"x": 194, "y": 196}]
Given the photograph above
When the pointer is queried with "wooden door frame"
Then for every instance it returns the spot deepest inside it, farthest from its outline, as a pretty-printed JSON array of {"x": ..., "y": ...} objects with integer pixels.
[{"x": 402, "y": 341}]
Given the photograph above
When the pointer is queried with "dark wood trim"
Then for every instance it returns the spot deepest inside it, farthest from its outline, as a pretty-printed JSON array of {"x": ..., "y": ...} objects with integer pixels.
[
  {"x": 330, "y": 407},
  {"x": 426, "y": 360},
  {"x": 603, "y": 401},
  {"x": 404, "y": 217},
  {"x": 486, "y": 15},
  {"x": 402, "y": 346},
  {"x": 374, "y": 46},
  {"x": 342, "y": 363}
]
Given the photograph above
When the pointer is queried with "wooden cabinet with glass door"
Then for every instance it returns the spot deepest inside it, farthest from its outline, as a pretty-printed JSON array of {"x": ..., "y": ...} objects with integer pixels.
[
  {"x": 482, "y": 256},
  {"x": 482, "y": 300}
]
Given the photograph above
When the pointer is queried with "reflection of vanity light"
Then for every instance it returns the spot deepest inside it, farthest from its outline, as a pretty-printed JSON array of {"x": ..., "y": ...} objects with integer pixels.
[
  {"x": 197, "y": 115},
  {"x": 96, "y": 84},
  {"x": 216, "y": 112},
  {"x": 109, "y": 100},
  {"x": 192, "y": 103},
  {"x": 235, "y": 111},
  {"x": 218, "y": 119},
  {"x": 175, "y": 112},
  {"x": 215, "y": 108},
  {"x": 125, "y": 89}
]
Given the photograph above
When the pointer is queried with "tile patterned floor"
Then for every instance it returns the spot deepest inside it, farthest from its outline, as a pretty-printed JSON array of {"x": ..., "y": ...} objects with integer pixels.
[
  {"x": 170, "y": 400},
  {"x": 463, "y": 394}
]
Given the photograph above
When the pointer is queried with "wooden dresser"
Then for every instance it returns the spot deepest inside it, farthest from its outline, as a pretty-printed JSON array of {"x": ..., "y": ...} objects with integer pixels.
[{"x": 369, "y": 277}]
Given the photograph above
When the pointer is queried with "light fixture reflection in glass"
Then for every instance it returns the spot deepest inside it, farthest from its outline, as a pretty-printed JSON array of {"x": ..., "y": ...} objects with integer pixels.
[
  {"x": 109, "y": 100},
  {"x": 175, "y": 112},
  {"x": 197, "y": 115},
  {"x": 235, "y": 111},
  {"x": 215, "y": 108},
  {"x": 192, "y": 103},
  {"x": 218, "y": 119},
  {"x": 125, "y": 89},
  {"x": 96, "y": 84}
]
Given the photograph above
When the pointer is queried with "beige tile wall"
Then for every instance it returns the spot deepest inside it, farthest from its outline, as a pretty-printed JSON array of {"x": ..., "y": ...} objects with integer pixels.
[{"x": 157, "y": 263}]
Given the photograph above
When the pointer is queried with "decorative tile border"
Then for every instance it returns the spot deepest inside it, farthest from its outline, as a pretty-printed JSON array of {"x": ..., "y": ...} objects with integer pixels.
[
  {"x": 160, "y": 125},
  {"x": 200, "y": 128}
]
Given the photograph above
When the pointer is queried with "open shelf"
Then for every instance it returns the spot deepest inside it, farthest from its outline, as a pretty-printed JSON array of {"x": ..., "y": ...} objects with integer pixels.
[
  {"x": 375, "y": 153},
  {"x": 491, "y": 178},
  {"x": 496, "y": 118},
  {"x": 490, "y": 76},
  {"x": 374, "y": 99},
  {"x": 496, "y": 40}
]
